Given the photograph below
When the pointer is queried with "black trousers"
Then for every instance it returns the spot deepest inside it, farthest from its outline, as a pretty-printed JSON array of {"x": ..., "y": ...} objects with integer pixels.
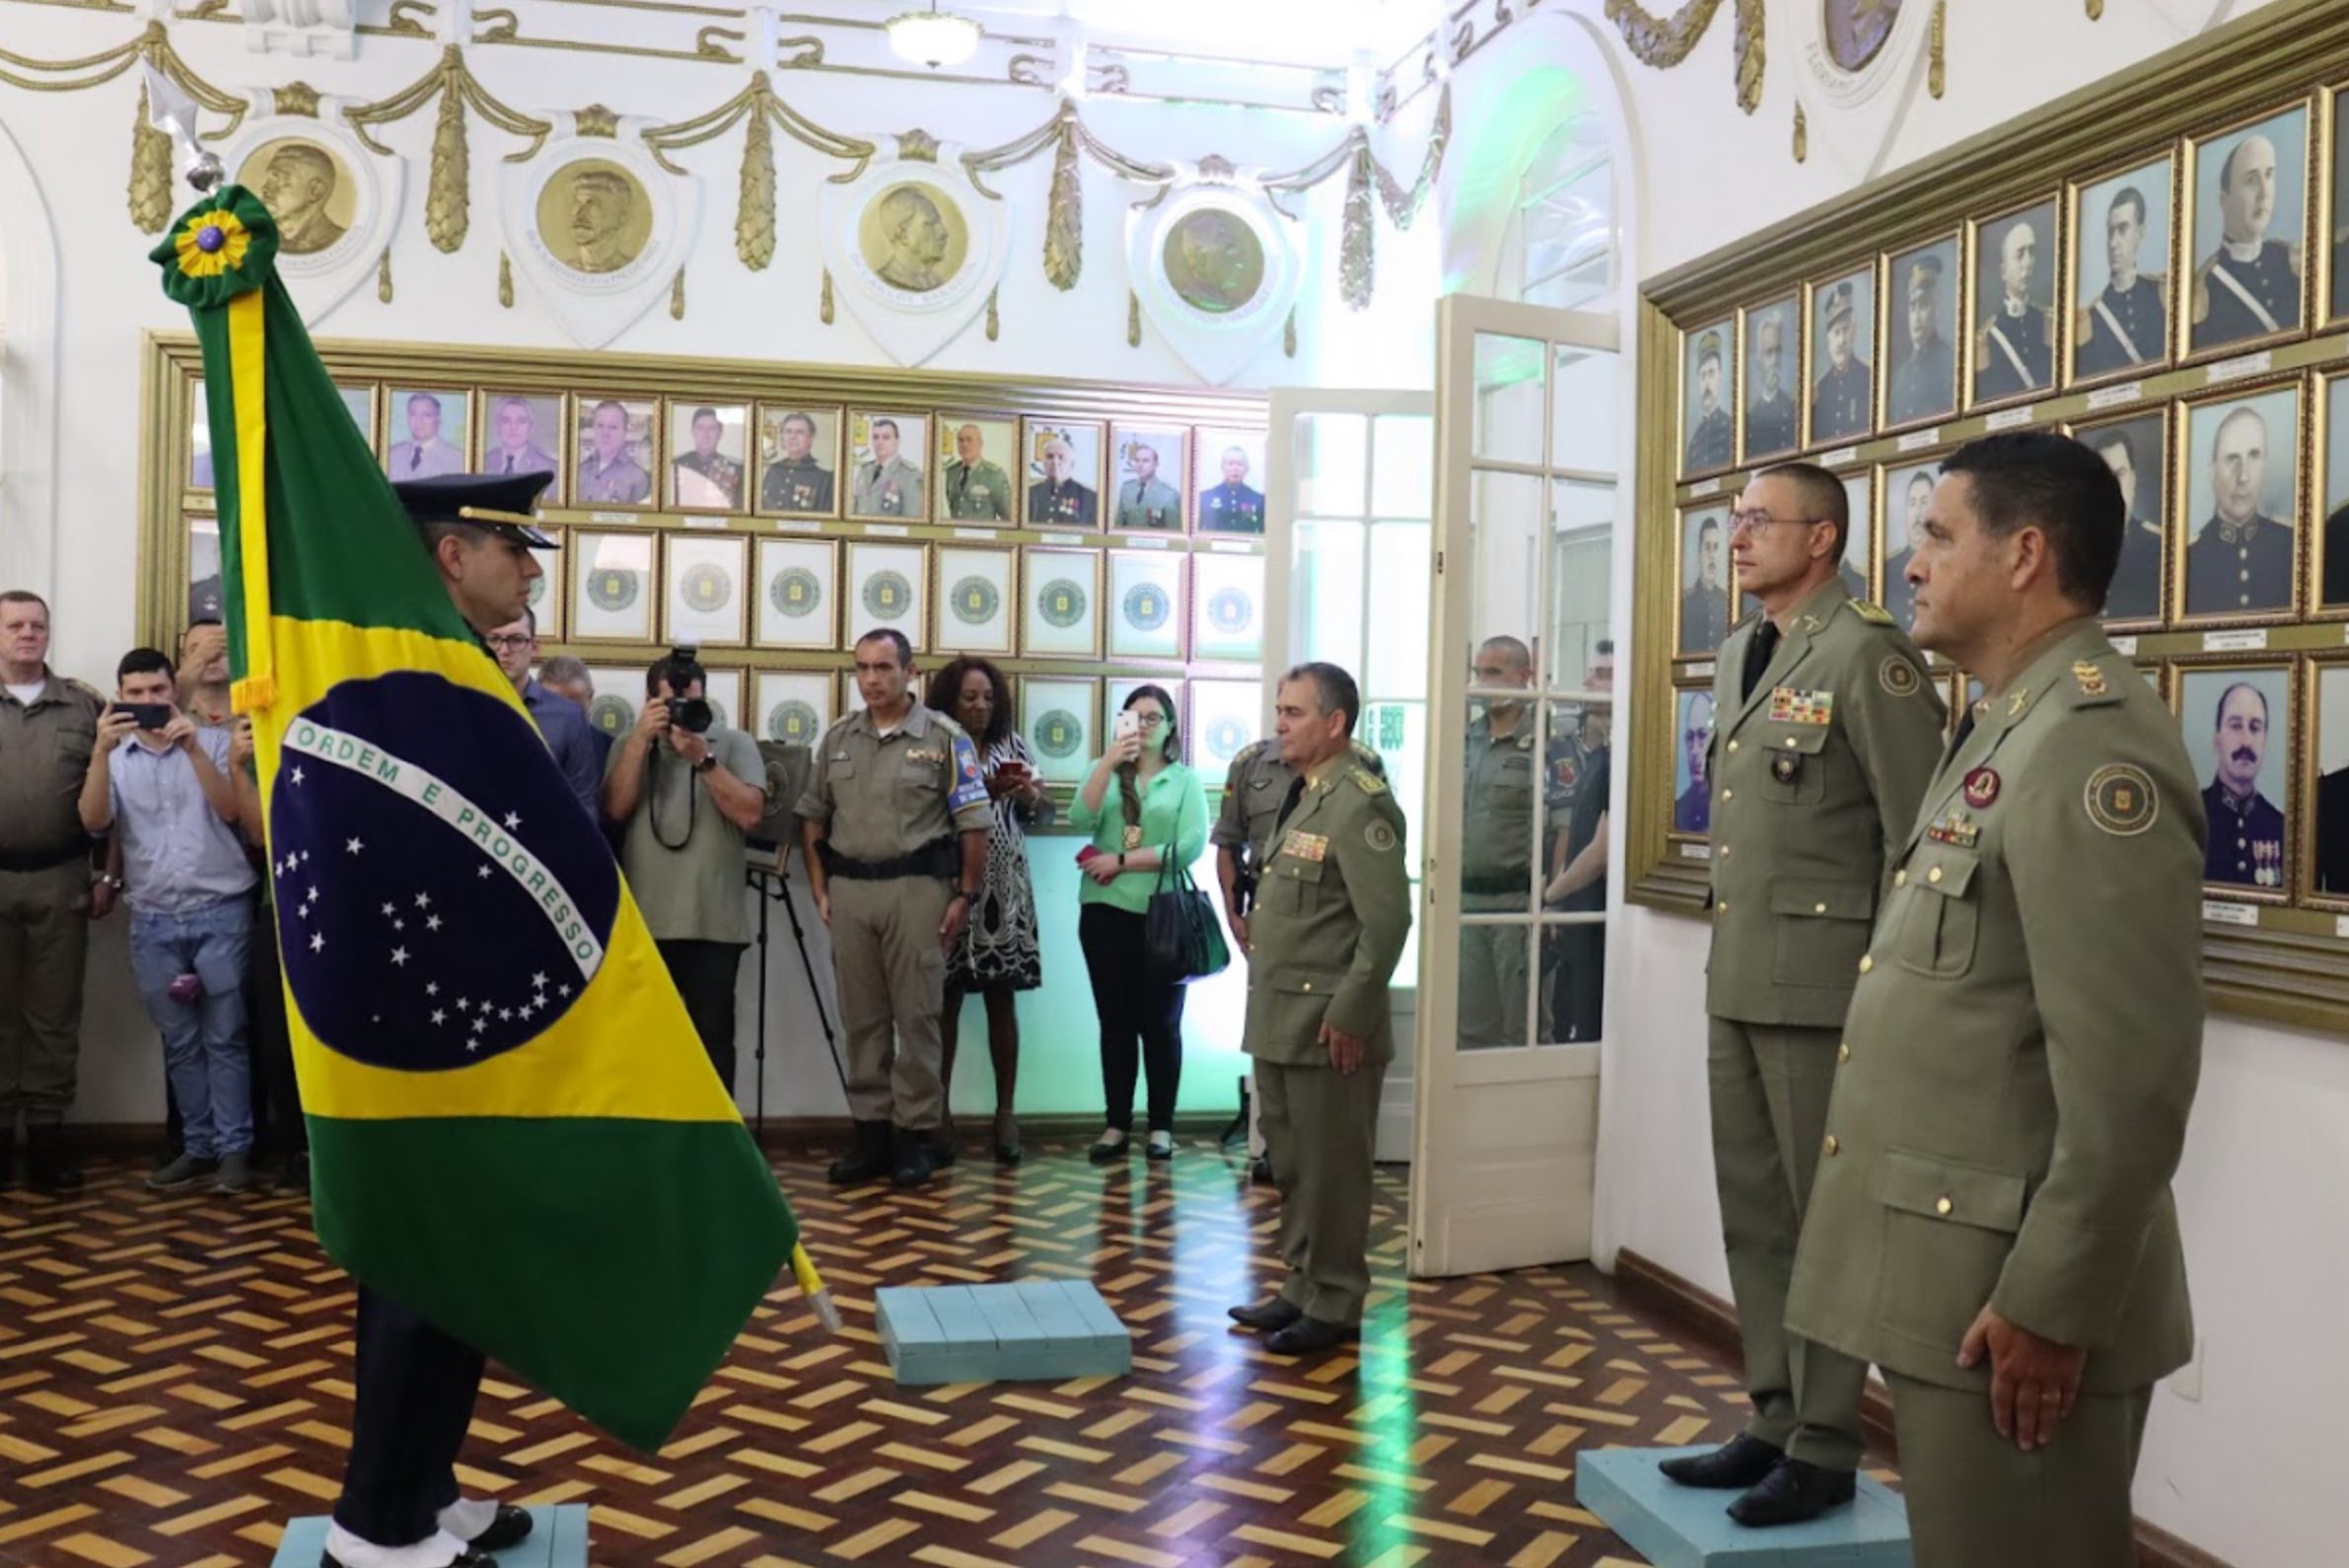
[
  {"x": 276, "y": 1101},
  {"x": 416, "y": 1388},
  {"x": 704, "y": 974},
  {"x": 1579, "y": 989},
  {"x": 1141, "y": 1021}
]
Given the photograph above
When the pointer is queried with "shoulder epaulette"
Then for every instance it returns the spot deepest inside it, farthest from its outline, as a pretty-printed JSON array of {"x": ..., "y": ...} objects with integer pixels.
[
  {"x": 87, "y": 690},
  {"x": 1365, "y": 754},
  {"x": 2091, "y": 685},
  {"x": 1367, "y": 781},
  {"x": 1873, "y": 614}
]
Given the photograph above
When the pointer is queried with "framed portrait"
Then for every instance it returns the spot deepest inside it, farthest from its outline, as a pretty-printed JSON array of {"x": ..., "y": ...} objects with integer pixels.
[
  {"x": 358, "y": 400},
  {"x": 1061, "y": 604},
  {"x": 199, "y": 437},
  {"x": 887, "y": 482},
  {"x": 1909, "y": 493},
  {"x": 799, "y": 459},
  {"x": 2240, "y": 510},
  {"x": 1921, "y": 290},
  {"x": 705, "y": 601},
  {"x": 795, "y": 706},
  {"x": 975, "y": 457},
  {"x": 1227, "y": 468},
  {"x": 1061, "y": 471},
  {"x": 2134, "y": 449},
  {"x": 1146, "y": 619},
  {"x": 2330, "y": 497},
  {"x": 2238, "y": 724},
  {"x": 1228, "y": 607},
  {"x": 1858, "y": 566},
  {"x": 1771, "y": 340},
  {"x": 520, "y": 431},
  {"x": 547, "y": 601},
  {"x": 618, "y": 693},
  {"x": 1700, "y": 576},
  {"x": 2249, "y": 189},
  {"x": 428, "y": 432},
  {"x": 2326, "y": 779},
  {"x": 611, "y": 453},
  {"x": 1225, "y": 716},
  {"x": 207, "y": 592},
  {"x": 886, "y": 584},
  {"x": 1148, "y": 468},
  {"x": 2334, "y": 236},
  {"x": 1692, "y": 741},
  {"x": 1708, "y": 392},
  {"x": 799, "y": 594},
  {"x": 724, "y": 689},
  {"x": 709, "y": 462},
  {"x": 2010, "y": 309},
  {"x": 611, "y": 586},
  {"x": 2123, "y": 236},
  {"x": 975, "y": 598},
  {"x": 1061, "y": 719},
  {"x": 2157, "y": 675},
  {"x": 1842, "y": 313}
]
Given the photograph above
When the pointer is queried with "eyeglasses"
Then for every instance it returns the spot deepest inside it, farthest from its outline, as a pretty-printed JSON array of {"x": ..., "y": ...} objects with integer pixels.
[
  {"x": 1149, "y": 720},
  {"x": 1757, "y": 520},
  {"x": 509, "y": 642}
]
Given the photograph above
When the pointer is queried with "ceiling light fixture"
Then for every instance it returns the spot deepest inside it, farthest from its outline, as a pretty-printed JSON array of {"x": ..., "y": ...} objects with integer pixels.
[{"x": 934, "y": 37}]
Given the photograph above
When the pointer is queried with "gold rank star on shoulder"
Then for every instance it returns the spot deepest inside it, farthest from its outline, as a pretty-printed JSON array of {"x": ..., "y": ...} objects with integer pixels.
[{"x": 2091, "y": 679}]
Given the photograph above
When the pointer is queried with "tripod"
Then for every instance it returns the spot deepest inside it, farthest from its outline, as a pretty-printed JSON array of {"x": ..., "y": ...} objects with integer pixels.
[{"x": 773, "y": 888}]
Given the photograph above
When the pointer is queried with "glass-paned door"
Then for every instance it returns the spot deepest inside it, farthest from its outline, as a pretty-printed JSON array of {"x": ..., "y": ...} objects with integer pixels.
[{"x": 1520, "y": 689}]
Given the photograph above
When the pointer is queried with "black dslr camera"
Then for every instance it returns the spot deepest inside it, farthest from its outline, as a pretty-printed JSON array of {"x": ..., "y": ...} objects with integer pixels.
[{"x": 681, "y": 672}]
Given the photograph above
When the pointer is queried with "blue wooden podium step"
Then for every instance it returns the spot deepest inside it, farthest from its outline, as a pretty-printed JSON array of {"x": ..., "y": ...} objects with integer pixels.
[
  {"x": 1681, "y": 1527},
  {"x": 1036, "y": 1329},
  {"x": 558, "y": 1538}
]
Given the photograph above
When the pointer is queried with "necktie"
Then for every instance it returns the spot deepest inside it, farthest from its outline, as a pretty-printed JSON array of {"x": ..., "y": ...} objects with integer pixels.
[
  {"x": 415, "y": 457},
  {"x": 1757, "y": 656},
  {"x": 1289, "y": 802},
  {"x": 508, "y": 462}
]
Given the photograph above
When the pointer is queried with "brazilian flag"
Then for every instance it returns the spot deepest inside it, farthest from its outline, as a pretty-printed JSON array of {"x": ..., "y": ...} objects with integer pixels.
[{"x": 514, "y": 1130}]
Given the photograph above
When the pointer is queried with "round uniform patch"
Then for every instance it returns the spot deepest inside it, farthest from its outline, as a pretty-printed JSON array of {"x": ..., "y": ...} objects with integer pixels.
[
  {"x": 1379, "y": 836},
  {"x": 2121, "y": 800},
  {"x": 1898, "y": 676}
]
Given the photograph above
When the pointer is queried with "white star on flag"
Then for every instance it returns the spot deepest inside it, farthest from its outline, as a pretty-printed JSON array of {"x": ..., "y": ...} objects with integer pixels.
[
  {"x": 432, "y": 988},
  {"x": 295, "y": 775},
  {"x": 538, "y": 980},
  {"x": 400, "y": 955},
  {"x": 353, "y": 847},
  {"x": 425, "y": 901},
  {"x": 388, "y": 908},
  {"x": 440, "y": 1015},
  {"x": 513, "y": 821},
  {"x": 433, "y": 924},
  {"x": 318, "y": 943}
]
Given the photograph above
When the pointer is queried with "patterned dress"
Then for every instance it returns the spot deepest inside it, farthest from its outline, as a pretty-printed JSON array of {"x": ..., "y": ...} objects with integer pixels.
[{"x": 999, "y": 950}]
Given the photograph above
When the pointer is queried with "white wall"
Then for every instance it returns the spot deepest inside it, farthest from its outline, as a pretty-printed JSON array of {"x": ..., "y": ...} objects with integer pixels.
[
  {"x": 81, "y": 292},
  {"x": 2267, "y": 1158}
]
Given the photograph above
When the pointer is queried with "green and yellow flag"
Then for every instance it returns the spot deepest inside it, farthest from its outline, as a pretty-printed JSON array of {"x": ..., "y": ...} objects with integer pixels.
[{"x": 514, "y": 1131}]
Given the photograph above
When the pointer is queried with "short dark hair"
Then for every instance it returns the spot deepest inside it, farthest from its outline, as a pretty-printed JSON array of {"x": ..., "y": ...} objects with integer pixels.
[
  {"x": 896, "y": 641},
  {"x": 946, "y": 689},
  {"x": 1333, "y": 689},
  {"x": 2117, "y": 436},
  {"x": 1821, "y": 496},
  {"x": 1710, "y": 524},
  {"x": 807, "y": 419},
  {"x": 892, "y": 423},
  {"x": 699, "y": 414},
  {"x": 2218, "y": 714},
  {"x": 2034, "y": 478},
  {"x": 2127, "y": 197},
  {"x": 680, "y": 668},
  {"x": 142, "y": 662},
  {"x": 563, "y": 666},
  {"x": 1603, "y": 648},
  {"x": 24, "y": 596}
]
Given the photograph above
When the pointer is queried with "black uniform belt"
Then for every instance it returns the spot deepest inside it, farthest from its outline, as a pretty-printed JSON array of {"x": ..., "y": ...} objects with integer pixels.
[
  {"x": 941, "y": 857},
  {"x": 41, "y": 859},
  {"x": 1497, "y": 882}
]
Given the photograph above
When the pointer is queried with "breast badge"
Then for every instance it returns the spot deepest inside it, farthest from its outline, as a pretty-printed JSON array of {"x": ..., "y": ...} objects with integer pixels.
[
  {"x": 1981, "y": 788},
  {"x": 1791, "y": 706}
]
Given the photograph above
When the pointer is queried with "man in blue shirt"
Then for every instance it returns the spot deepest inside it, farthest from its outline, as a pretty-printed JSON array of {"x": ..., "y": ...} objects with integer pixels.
[
  {"x": 179, "y": 794},
  {"x": 561, "y": 721}
]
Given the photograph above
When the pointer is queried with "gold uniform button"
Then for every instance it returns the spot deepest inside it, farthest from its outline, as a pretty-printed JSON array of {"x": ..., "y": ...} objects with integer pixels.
[
  {"x": 1867, "y": 962},
  {"x": 1819, "y": 908},
  {"x": 1832, "y": 1145},
  {"x": 1725, "y": 906},
  {"x": 1790, "y": 742},
  {"x": 1843, "y": 1052},
  {"x": 1724, "y": 851},
  {"x": 1943, "y": 1207},
  {"x": 1728, "y": 795},
  {"x": 1308, "y": 985},
  {"x": 1733, "y": 745},
  {"x": 1900, "y": 878},
  {"x": 1933, "y": 876}
]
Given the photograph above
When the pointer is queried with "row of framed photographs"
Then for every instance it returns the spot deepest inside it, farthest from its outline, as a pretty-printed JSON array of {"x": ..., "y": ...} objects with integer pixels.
[
  {"x": 648, "y": 587},
  {"x": 1062, "y": 717},
  {"x": 2270, "y": 738},
  {"x": 2223, "y": 492},
  {"x": 810, "y": 461},
  {"x": 2171, "y": 255}
]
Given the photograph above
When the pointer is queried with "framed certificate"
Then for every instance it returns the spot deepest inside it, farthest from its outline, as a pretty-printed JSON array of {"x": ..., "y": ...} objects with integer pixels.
[
  {"x": 611, "y": 586},
  {"x": 974, "y": 598},
  {"x": 619, "y": 693},
  {"x": 1060, "y": 606},
  {"x": 795, "y": 706},
  {"x": 885, "y": 584},
  {"x": 1228, "y": 607},
  {"x": 724, "y": 689},
  {"x": 1061, "y": 719},
  {"x": 548, "y": 598},
  {"x": 1225, "y": 716},
  {"x": 1146, "y": 604},
  {"x": 799, "y": 594},
  {"x": 705, "y": 603}
]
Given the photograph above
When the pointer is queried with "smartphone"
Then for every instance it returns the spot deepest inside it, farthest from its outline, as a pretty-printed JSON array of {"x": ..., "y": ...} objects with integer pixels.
[
  {"x": 1128, "y": 723},
  {"x": 150, "y": 715},
  {"x": 1086, "y": 854},
  {"x": 1012, "y": 770}
]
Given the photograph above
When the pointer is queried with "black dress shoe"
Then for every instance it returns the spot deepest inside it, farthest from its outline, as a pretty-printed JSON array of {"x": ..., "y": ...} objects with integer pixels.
[
  {"x": 1309, "y": 1336},
  {"x": 867, "y": 1159},
  {"x": 1271, "y": 1317},
  {"x": 511, "y": 1528},
  {"x": 915, "y": 1158},
  {"x": 942, "y": 1153},
  {"x": 1740, "y": 1462},
  {"x": 1108, "y": 1151},
  {"x": 1792, "y": 1493}
]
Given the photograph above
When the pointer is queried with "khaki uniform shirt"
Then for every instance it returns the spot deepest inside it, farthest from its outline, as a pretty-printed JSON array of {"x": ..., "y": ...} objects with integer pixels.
[
  {"x": 1329, "y": 922},
  {"x": 45, "y": 751},
  {"x": 2024, "y": 1043},
  {"x": 1503, "y": 787},
  {"x": 1252, "y": 794},
  {"x": 1815, "y": 780},
  {"x": 880, "y": 797}
]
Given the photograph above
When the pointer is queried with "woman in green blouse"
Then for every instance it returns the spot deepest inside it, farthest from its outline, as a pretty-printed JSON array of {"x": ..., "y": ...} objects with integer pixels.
[{"x": 1138, "y": 800}]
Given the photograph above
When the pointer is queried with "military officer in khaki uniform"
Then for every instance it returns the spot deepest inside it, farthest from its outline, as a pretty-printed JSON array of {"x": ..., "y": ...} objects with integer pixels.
[
  {"x": 1255, "y": 790},
  {"x": 1992, "y": 1222},
  {"x": 47, "y": 892},
  {"x": 895, "y": 822},
  {"x": 1827, "y": 730},
  {"x": 973, "y": 487},
  {"x": 1502, "y": 792},
  {"x": 1328, "y": 930}
]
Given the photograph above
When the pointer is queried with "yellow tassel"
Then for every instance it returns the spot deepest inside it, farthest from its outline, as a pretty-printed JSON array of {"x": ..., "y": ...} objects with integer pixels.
[{"x": 253, "y": 695}]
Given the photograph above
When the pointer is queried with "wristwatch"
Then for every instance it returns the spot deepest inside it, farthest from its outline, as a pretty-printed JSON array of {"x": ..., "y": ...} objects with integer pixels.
[
  {"x": 708, "y": 762},
  {"x": 966, "y": 894}
]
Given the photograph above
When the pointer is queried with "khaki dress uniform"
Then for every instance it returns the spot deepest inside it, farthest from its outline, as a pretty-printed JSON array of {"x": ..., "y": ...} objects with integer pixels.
[
  {"x": 2022, "y": 1048},
  {"x": 979, "y": 492},
  {"x": 1816, "y": 771},
  {"x": 891, "y": 808},
  {"x": 44, "y": 898},
  {"x": 1503, "y": 789},
  {"x": 1254, "y": 791},
  {"x": 1328, "y": 930}
]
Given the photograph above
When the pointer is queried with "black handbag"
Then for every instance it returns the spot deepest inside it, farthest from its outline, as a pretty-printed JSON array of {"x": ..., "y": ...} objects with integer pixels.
[{"x": 1182, "y": 939}]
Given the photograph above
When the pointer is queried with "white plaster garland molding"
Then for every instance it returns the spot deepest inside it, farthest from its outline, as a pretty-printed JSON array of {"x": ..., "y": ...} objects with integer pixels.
[
  {"x": 595, "y": 227},
  {"x": 914, "y": 247}
]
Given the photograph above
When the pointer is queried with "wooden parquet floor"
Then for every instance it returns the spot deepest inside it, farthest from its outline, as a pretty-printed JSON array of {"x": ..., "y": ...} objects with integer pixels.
[{"x": 175, "y": 1384}]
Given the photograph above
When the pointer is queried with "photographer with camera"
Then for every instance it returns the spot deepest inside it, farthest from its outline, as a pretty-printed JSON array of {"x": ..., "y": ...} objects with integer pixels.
[{"x": 686, "y": 790}]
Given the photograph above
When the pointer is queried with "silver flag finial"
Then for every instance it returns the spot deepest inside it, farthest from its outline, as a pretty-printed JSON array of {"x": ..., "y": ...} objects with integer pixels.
[{"x": 171, "y": 111}]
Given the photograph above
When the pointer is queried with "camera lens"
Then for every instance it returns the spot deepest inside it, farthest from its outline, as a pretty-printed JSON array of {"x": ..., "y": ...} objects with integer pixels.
[{"x": 691, "y": 715}]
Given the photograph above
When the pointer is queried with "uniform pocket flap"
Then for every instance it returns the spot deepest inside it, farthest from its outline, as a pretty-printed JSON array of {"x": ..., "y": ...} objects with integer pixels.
[
  {"x": 1297, "y": 869},
  {"x": 1938, "y": 868},
  {"x": 1948, "y": 1190},
  {"x": 1806, "y": 739},
  {"x": 1823, "y": 901},
  {"x": 1308, "y": 982}
]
